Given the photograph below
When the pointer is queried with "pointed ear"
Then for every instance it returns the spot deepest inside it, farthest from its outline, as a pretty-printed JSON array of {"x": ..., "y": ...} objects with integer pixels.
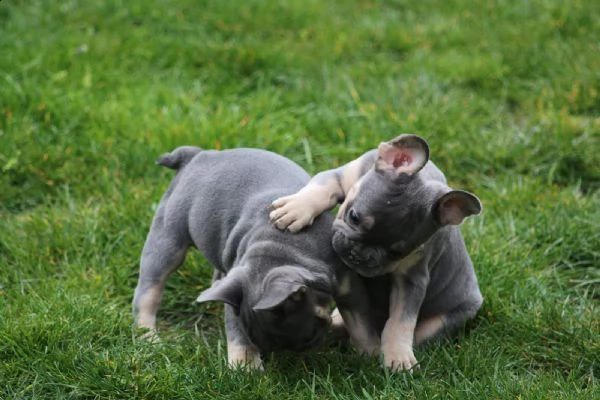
[
  {"x": 227, "y": 290},
  {"x": 406, "y": 154},
  {"x": 456, "y": 205},
  {"x": 278, "y": 294}
]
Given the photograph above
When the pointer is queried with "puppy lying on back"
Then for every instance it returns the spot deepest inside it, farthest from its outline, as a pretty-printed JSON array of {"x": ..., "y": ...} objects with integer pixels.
[
  {"x": 398, "y": 219},
  {"x": 276, "y": 286}
]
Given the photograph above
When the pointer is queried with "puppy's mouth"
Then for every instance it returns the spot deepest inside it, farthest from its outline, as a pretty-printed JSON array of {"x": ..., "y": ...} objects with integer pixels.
[
  {"x": 314, "y": 341},
  {"x": 365, "y": 260},
  {"x": 279, "y": 342}
]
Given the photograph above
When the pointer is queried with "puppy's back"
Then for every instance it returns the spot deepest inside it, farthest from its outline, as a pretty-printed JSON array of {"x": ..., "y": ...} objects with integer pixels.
[{"x": 222, "y": 198}]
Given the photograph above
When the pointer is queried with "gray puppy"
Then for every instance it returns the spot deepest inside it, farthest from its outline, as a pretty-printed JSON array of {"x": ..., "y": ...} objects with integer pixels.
[
  {"x": 276, "y": 286},
  {"x": 399, "y": 219}
]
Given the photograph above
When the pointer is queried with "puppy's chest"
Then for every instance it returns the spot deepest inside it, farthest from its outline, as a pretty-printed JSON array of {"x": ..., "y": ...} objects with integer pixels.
[{"x": 404, "y": 265}]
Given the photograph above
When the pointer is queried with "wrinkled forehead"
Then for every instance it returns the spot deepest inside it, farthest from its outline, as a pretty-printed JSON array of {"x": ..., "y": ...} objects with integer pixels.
[
  {"x": 396, "y": 208},
  {"x": 376, "y": 194}
]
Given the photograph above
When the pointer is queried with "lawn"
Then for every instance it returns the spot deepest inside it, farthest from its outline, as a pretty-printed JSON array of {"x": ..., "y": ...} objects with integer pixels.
[{"x": 506, "y": 92}]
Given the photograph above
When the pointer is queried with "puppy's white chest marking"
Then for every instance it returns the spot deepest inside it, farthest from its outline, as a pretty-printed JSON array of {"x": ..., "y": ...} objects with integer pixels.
[
  {"x": 403, "y": 265},
  {"x": 345, "y": 286}
]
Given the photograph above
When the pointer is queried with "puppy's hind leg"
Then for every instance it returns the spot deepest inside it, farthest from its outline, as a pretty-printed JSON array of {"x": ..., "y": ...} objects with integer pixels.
[
  {"x": 430, "y": 329},
  {"x": 163, "y": 252},
  {"x": 444, "y": 324}
]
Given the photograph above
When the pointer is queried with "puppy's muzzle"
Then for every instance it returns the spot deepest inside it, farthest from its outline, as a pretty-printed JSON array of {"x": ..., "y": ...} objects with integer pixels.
[{"x": 365, "y": 260}]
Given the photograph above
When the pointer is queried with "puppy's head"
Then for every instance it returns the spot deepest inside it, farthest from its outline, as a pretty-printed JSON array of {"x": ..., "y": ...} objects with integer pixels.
[
  {"x": 287, "y": 309},
  {"x": 396, "y": 207}
]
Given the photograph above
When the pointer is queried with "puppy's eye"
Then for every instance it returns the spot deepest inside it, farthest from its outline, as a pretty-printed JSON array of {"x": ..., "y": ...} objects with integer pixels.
[{"x": 353, "y": 217}]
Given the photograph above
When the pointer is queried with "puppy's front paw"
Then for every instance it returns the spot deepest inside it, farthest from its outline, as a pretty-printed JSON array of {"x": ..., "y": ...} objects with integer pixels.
[
  {"x": 147, "y": 335},
  {"x": 367, "y": 348},
  {"x": 400, "y": 359},
  {"x": 243, "y": 357},
  {"x": 292, "y": 213},
  {"x": 150, "y": 337}
]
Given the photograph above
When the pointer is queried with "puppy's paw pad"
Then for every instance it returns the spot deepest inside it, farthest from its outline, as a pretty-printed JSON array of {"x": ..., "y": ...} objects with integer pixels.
[{"x": 282, "y": 222}]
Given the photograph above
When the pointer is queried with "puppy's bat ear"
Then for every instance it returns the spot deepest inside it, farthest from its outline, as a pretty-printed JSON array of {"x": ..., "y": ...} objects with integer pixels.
[
  {"x": 279, "y": 293},
  {"x": 456, "y": 205},
  {"x": 228, "y": 290},
  {"x": 406, "y": 154}
]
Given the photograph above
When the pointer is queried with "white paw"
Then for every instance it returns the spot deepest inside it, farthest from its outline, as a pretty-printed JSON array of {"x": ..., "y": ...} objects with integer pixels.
[
  {"x": 400, "y": 359},
  {"x": 151, "y": 336},
  {"x": 367, "y": 348},
  {"x": 366, "y": 345},
  {"x": 242, "y": 357},
  {"x": 292, "y": 213}
]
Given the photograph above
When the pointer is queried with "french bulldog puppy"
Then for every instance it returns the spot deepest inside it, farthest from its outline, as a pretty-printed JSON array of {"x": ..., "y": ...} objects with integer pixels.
[
  {"x": 276, "y": 286},
  {"x": 397, "y": 226}
]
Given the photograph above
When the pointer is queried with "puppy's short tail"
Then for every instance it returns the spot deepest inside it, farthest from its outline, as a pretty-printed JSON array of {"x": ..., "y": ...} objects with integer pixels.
[{"x": 178, "y": 158}]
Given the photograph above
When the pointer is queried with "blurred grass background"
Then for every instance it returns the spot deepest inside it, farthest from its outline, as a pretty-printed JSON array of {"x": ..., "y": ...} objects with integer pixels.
[{"x": 506, "y": 92}]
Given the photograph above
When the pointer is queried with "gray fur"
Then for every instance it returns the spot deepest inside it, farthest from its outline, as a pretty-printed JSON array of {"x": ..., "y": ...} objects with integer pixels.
[
  {"x": 408, "y": 218},
  {"x": 397, "y": 227},
  {"x": 271, "y": 281}
]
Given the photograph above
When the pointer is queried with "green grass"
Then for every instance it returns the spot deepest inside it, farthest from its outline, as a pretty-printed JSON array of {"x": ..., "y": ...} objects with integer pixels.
[{"x": 506, "y": 92}]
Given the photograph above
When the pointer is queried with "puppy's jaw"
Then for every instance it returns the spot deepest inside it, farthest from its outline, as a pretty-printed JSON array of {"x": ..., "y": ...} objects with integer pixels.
[{"x": 364, "y": 260}]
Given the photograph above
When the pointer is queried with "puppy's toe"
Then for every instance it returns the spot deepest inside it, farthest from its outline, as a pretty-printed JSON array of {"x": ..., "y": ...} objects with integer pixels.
[
  {"x": 150, "y": 337},
  {"x": 280, "y": 202},
  {"x": 275, "y": 215},
  {"x": 298, "y": 224},
  {"x": 401, "y": 360},
  {"x": 404, "y": 364},
  {"x": 245, "y": 359},
  {"x": 247, "y": 366},
  {"x": 283, "y": 221},
  {"x": 281, "y": 218}
]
